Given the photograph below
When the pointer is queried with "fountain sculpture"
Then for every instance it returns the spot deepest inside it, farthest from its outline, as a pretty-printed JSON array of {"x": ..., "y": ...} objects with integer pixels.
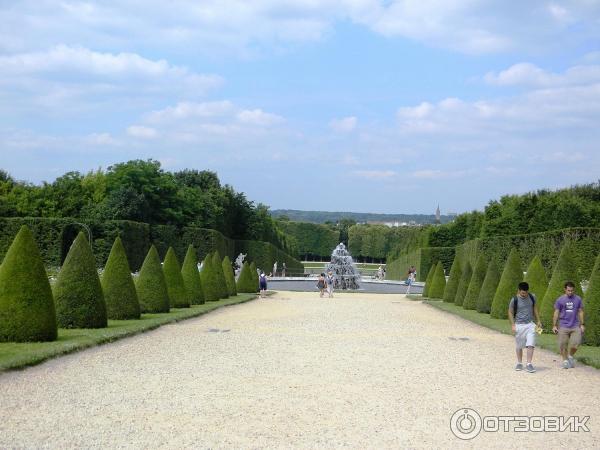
[{"x": 342, "y": 267}]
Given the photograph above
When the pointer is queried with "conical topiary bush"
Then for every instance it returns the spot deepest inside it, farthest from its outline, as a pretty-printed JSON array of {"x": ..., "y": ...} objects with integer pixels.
[
  {"x": 438, "y": 282},
  {"x": 220, "y": 276},
  {"x": 453, "y": 281},
  {"x": 536, "y": 278},
  {"x": 191, "y": 277},
  {"x": 151, "y": 286},
  {"x": 254, "y": 276},
  {"x": 465, "y": 279},
  {"x": 564, "y": 270},
  {"x": 511, "y": 276},
  {"x": 78, "y": 293},
  {"x": 209, "y": 280},
  {"x": 178, "y": 297},
  {"x": 117, "y": 285},
  {"x": 592, "y": 307},
  {"x": 229, "y": 276},
  {"x": 27, "y": 311},
  {"x": 479, "y": 271},
  {"x": 245, "y": 282},
  {"x": 488, "y": 288},
  {"x": 428, "y": 280}
]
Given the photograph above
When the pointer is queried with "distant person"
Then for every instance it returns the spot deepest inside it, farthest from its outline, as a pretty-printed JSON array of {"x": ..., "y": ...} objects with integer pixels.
[
  {"x": 275, "y": 269},
  {"x": 330, "y": 283},
  {"x": 283, "y": 269},
  {"x": 321, "y": 284},
  {"x": 380, "y": 272},
  {"x": 568, "y": 310},
  {"x": 262, "y": 283},
  {"x": 521, "y": 312}
]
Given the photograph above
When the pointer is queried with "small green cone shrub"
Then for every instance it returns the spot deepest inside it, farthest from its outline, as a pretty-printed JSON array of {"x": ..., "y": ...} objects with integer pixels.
[
  {"x": 488, "y": 288},
  {"x": 438, "y": 282},
  {"x": 27, "y": 311},
  {"x": 428, "y": 280},
  {"x": 536, "y": 278},
  {"x": 564, "y": 270},
  {"x": 209, "y": 280},
  {"x": 220, "y": 276},
  {"x": 254, "y": 276},
  {"x": 479, "y": 271},
  {"x": 511, "y": 276},
  {"x": 117, "y": 284},
  {"x": 178, "y": 297},
  {"x": 229, "y": 276},
  {"x": 245, "y": 282},
  {"x": 191, "y": 277},
  {"x": 453, "y": 281},
  {"x": 151, "y": 285},
  {"x": 465, "y": 279},
  {"x": 78, "y": 293},
  {"x": 592, "y": 307}
]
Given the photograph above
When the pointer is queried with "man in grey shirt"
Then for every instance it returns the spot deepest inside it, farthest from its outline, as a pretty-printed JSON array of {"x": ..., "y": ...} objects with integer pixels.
[{"x": 521, "y": 312}]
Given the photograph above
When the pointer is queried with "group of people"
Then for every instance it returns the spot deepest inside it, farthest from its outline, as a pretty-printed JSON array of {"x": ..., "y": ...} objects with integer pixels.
[
  {"x": 567, "y": 323},
  {"x": 326, "y": 283}
]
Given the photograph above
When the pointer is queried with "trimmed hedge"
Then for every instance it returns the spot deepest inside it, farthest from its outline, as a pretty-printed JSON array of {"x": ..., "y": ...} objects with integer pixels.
[
  {"x": 245, "y": 282},
  {"x": 27, "y": 312},
  {"x": 463, "y": 285},
  {"x": 479, "y": 271},
  {"x": 191, "y": 277},
  {"x": 453, "y": 281},
  {"x": 209, "y": 280},
  {"x": 592, "y": 306},
  {"x": 229, "y": 276},
  {"x": 488, "y": 288},
  {"x": 118, "y": 287},
  {"x": 311, "y": 239},
  {"x": 78, "y": 296},
  {"x": 438, "y": 282},
  {"x": 178, "y": 297},
  {"x": 151, "y": 286},
  {"x": 254, "y": 274},
  {"x": 512, "y": 275},
  {"x": 217, "y": 265},
  {"x": 536, "y": 278},
  {"x": 428, "y": 281}
]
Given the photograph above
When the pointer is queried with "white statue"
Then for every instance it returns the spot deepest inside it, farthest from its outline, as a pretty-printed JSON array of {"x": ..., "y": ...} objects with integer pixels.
[
  {"x": 275, "y": 269},
  {"x": 239, "y": 261}
]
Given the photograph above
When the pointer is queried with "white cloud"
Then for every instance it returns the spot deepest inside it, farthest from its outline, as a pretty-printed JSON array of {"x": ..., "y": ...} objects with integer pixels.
[
  {"x": 258, "y": 117},
  {"x": 192, "y": 110},
  {"x": 527, "y": 74},
  {"x": 344, "y": 125},
  {"x": 374, "y": 174},
  {"x": 141, "y": 132}
]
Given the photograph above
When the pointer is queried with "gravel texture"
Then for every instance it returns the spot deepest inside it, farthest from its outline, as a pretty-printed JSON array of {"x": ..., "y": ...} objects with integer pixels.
[{"x": 296, "y": 371}]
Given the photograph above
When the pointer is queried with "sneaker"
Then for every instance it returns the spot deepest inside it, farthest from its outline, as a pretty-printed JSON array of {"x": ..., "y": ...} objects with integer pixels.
[
  {"x": 530, "y": 368},
  {"x": 519, "y": 366},
  {"x": 571, "y": 362},
  {"x": 566, "y": 364}
]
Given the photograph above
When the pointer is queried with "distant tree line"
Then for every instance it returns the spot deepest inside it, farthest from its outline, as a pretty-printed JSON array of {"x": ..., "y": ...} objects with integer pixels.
[{"x": 336, "y": 217}]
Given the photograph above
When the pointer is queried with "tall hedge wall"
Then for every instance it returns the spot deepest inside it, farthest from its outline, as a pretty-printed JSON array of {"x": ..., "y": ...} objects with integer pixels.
[
  {"x": 422, "y": 259},
  {"x": 311, "y": 239}
]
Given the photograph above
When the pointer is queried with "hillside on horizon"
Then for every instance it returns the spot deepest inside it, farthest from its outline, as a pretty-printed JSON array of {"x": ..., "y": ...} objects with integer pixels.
[{"x": 329, "y": 216}]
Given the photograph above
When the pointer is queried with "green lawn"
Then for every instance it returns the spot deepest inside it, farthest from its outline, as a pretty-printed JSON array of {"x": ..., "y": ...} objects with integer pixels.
[
  {"x": 586, "y": 354},
  {"x": 19, "y": 355}
]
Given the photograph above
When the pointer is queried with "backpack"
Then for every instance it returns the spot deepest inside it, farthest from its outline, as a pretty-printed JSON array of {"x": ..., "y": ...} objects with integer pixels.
[{"x": 515, "y": 301}]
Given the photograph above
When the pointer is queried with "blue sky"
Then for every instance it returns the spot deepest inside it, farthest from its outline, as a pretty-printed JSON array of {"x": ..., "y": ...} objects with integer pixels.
[{"x": 356, "y": 105}]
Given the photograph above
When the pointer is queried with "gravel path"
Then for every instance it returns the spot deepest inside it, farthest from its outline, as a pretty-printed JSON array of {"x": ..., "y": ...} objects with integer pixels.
[{"x": 295, "y": 371}]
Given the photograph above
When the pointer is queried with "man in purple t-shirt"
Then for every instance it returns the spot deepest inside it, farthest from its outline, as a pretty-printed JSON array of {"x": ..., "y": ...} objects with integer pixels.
[{"x": 568, "y": 309}]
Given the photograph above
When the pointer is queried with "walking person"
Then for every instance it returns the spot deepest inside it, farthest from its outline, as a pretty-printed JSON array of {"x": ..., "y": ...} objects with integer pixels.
[
  {"x": 568, "y": 311},
  {"x": 330, "y": 283},
  {"x": 521, "y": 312},
  {"x": 262, "y": 283},
  {"x": 412, "y": 275},
  {"x": 321, "y": 284}
]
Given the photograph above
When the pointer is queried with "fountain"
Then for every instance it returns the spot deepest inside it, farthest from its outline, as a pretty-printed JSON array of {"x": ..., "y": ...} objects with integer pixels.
[{"x": 343, "y": 269}]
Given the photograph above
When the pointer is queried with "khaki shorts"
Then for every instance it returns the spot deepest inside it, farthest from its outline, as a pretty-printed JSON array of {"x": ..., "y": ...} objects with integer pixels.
[
  {"x": 525, "y": 335},
  {"x": 569, "y": 337}
]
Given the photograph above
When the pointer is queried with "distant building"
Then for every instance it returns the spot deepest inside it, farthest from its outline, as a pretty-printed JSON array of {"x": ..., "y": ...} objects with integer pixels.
[{"x": 438, "y": 216}]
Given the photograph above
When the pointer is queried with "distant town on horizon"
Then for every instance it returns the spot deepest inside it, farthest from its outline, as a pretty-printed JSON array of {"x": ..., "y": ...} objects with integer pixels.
[{"x": 371, "y": 218}]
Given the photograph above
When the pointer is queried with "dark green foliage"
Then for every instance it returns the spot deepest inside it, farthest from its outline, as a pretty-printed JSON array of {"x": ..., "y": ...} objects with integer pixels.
[
  {"x": 118, "y": 287},
  {"x": 217, "y": 265},
  {"x": 488, "y": 288},
  {"x": 254, "y": 276},
  {"x": 536, "y": 277},
  {"x": 178, "y": 297},
  {"x": 592, "y": 307},
  {"x": 209, "y": 280},
  {"x": 312, "y": 240},
  {"x": 428, "y": 281},
  {"x": 77, "y": 293},
  {"x": 512, "y": 275},
  {"x": 438, "y": 282},
  {"x": 245, "y": 281},
  {"x": 27, "y": 311},
  {"x": 463, "y": 284},
  {"x": 191, "y": 277},
  {"x": 453, "y": 281},
  {"x": 229, "y": 276},
  {"x": 479, "y": 271},
  {"x": 564, "y": 270},
  {"x": 151, "y": 286}
]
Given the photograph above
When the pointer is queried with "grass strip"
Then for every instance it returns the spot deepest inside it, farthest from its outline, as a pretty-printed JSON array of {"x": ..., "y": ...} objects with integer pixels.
[
  {"x": 587, "y": 354},
  {"x": 20, "y": 355}
]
